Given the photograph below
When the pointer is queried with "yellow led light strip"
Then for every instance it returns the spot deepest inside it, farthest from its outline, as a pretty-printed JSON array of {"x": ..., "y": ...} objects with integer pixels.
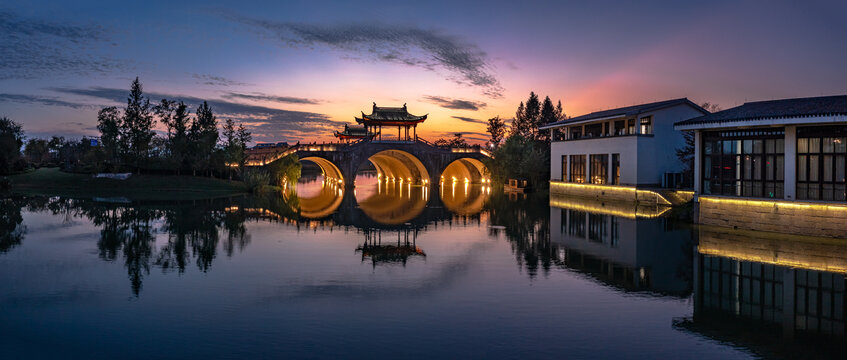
[
  {"x": 613, "y": 209},
  {"x": 777, "y": 203}
]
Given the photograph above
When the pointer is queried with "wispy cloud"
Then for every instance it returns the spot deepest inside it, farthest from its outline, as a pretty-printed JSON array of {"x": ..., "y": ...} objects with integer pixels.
[
  {"x": 455, "y": 104},
  {"x": 266, "y": 123},
  {"x": 470, "y": 120},
  {"x": 273, "y": 98},
  {"x": 35, "y": 48},
  {"x": 42, "y": 100},
  {"x": 207, "y": 79},
  {"x": 397, "y": 43}
]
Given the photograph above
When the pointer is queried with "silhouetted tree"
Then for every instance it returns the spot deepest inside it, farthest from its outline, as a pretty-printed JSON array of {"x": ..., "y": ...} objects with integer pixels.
[
  {"x": 12, "y": 229},
  {"x": 11, "y": 140},
  {"x": 546, "y": 116},
  {"x": 520, "y": 157},
  {"x": 204, "y": 136},
  {"x": 37, "y": 152},
  {"x": 137, "y": 125},
  {"x": 560, "y": 113},
  {"x": 109, "y": 124},
  {"x": 496, "y": 130},
  {"x": 235, "y": 143}
]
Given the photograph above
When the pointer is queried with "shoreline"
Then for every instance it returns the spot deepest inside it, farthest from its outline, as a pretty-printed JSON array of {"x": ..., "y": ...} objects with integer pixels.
[{"x": 53, "y": 182}]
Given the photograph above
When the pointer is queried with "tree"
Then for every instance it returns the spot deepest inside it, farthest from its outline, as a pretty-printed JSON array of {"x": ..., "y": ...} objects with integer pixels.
[
  {"x": 458, "y": 141},
  {"x": 137, "y": 125},
  {"x": 203, "y": 134},
  {"x": 546, "y": 116},
  {"x": 235, "y": 143},
  {"x": 520, "y": 126},
  {"x": 179, "y": 144},
  {"x": 532, "y": 112},
  {"x": 166, "y": 110},
  {"x": 521, "y": 157},
  {"x": 11, "y": 140},
  {"x": 527, "y": 118},
  {"x": 109, "y": 124},
  {"x": 37, "y": 152},
  {"x": 560, "y": 113},
  {"x": 497, "y": 131}
]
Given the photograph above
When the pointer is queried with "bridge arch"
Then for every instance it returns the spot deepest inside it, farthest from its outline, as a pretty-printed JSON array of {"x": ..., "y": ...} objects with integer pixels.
[
  {"x": 468, "y": 170},
  {"x": 398, "y": 165},
  {"x": 328, "y": 168}
]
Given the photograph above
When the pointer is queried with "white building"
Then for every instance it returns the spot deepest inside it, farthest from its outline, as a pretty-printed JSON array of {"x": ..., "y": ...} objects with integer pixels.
[
  {"x": 633, "y": 145},
  {"x": 778, "y": 165}
]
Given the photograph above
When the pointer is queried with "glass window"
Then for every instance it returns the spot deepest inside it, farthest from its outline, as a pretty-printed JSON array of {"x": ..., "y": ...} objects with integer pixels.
[
  {"x": 564, "y": 168},
  {"x": 593, "y": 130},
  {"x": 616, "y": 169},
  {"x": 620, "y": 128},
  {"x": 647, "y": 125},
  {"x": 577, "y": 169},
  {"x": 821, "y": 162},
  {"x": 743, "y": 163},
  {"x": 630, "y": 128},
  {"x": 599, "y": 168}
]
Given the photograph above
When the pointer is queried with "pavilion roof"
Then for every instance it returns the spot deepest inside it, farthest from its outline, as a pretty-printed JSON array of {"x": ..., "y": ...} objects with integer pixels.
[{"x": 390, "y": 114}]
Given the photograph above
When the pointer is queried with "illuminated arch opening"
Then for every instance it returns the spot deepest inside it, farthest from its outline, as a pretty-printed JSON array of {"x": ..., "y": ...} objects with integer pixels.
[
  {"x": 465, "y": 170},
  {"x": 329, "y": 170},
  {"x": 399, "y": 166},
  {"x": 327, "y": 199}
]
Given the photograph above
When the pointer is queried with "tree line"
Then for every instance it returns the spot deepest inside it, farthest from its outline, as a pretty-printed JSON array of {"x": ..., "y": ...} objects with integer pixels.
[{"x": 191, "y": 143}]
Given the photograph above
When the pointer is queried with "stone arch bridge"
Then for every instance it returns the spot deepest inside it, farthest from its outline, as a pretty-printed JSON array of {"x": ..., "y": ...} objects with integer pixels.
[{"x": 413, "y": 162}]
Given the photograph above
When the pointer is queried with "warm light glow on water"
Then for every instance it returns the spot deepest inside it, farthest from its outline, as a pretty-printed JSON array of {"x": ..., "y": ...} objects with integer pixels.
[{"x": 464, "y": 267}]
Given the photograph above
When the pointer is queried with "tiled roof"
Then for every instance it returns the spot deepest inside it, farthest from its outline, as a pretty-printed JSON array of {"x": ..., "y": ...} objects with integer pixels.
[
  {"x": 390, "y": 114},
  {"x": 771, "y": 109},
  {"x": 626, "y": 111}
]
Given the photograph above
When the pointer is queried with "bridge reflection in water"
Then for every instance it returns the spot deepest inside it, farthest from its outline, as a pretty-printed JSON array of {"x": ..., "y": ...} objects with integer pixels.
[{"x": 388, "y": 213}]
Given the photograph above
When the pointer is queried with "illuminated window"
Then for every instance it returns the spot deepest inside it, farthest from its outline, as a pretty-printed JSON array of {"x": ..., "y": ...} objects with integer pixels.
[
  {"x": 647, "y": 125},
  {"x": 746, "y": 163},
  {"x": 821, "y": 160},
  {"x": 564, "y": 167},
  {"x": 599, "y": 168},
  {"x": 577, "y": 174},
  {"x": 616, "y": 169}
]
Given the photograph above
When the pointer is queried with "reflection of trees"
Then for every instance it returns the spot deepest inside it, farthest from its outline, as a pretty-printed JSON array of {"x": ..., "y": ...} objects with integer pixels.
[
  {"x": 527, "y": 227},
  {"x": 129, "y": 231},
  {"x": 11, "y": 228}
]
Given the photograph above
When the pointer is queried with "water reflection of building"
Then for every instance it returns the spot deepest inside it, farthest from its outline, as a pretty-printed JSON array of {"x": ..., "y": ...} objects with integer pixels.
[
  {"x": 752, "y": 288},
  {"x": 386, "y": 250},
  {"x": 624, "y": 245}
]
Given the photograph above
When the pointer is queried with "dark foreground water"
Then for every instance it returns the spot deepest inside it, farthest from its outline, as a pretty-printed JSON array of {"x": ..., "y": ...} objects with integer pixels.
[{"x": 394, "y": 271}]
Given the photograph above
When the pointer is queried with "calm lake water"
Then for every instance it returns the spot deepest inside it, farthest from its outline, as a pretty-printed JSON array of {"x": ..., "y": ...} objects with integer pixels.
[{"x": 396, "y": 271}]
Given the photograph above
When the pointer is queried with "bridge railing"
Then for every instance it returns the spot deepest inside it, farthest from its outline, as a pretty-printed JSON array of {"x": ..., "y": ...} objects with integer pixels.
[{"x": 265, "y": 157}]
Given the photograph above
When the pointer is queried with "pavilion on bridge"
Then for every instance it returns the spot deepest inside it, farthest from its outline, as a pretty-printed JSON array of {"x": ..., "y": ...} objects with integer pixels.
[{"x": 384, "y": 117}]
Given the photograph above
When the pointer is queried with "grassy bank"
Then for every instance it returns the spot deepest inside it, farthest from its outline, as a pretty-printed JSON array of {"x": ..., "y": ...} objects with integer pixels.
[{"x": 52, "y": 182}]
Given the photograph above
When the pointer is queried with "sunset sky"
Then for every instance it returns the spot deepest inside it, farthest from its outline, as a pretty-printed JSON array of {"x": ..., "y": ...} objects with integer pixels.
[{"x": 297, "y": 70}]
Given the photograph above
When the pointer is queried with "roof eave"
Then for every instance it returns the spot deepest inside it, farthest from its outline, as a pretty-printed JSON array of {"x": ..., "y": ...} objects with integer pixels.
[{"x": 759, "y": 122}]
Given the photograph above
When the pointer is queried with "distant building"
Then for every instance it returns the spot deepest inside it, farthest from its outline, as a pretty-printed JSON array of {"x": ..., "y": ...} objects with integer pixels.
[
  {"x": 353, "y": 132},
  {"x": 757, "y": 163},
  {"x": 633, "y": 145}
]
